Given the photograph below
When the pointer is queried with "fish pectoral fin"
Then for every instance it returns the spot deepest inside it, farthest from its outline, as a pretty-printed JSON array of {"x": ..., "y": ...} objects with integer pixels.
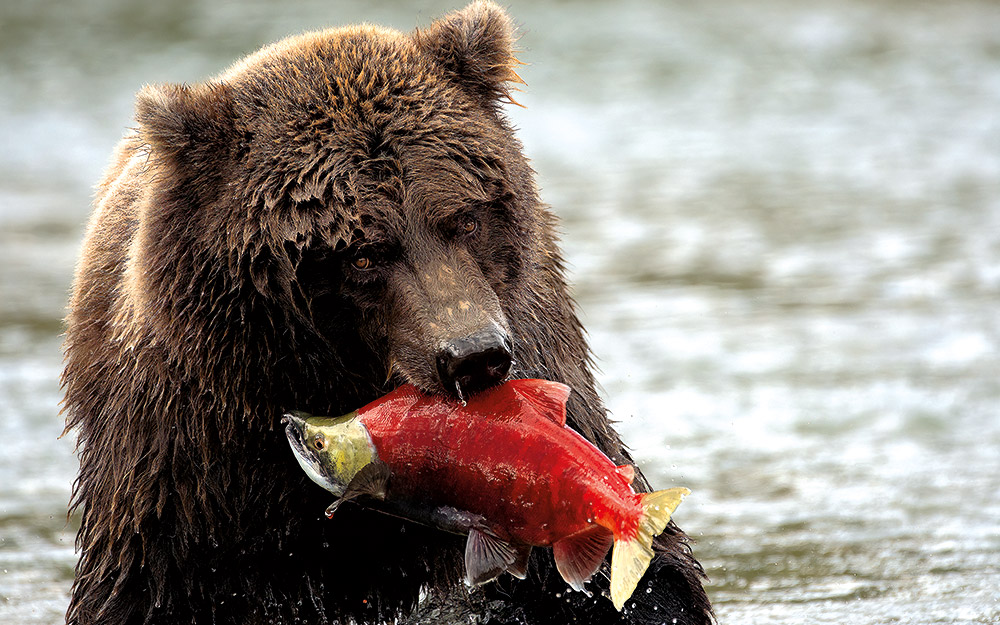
[
  {"x": 332, "y": 508},
  {"x": 580, "y": 555},
  {"x": 549, "y": 398},
  {"x": 372, "y": 480},
  {"x": 347, "y": 496},
  {"x": 486, "y": 556},
  {"x": 519, "y": 568}
]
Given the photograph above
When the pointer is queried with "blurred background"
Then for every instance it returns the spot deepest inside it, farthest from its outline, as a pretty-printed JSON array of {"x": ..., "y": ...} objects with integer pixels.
[{"x": 783, "y": 223}]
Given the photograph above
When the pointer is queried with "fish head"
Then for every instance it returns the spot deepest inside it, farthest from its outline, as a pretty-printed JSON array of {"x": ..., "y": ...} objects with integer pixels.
[{"x": 331, "y": 450}]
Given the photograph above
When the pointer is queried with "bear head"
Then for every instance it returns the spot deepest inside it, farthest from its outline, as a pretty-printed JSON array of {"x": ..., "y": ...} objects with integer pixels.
[{"x": 352, "y": 191}]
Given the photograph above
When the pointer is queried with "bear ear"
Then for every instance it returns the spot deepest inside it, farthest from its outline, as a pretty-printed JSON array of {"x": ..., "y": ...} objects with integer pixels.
[
  {"x": 192, "y": 124},
  {"x": 475, "y": 45}
]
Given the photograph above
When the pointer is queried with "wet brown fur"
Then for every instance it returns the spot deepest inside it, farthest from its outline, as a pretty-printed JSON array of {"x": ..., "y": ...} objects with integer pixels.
[{"x": 216, "y": 290}]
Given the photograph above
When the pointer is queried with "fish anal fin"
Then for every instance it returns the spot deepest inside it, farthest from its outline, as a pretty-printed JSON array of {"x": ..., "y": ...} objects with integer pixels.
[
  {"x": 580, "y": 555},
  {"x": 627, "y": 471},
  {"x": 486, "y": 556},
  {"x": 519, "y": 568},
  {"x": 548, "y": 398}
]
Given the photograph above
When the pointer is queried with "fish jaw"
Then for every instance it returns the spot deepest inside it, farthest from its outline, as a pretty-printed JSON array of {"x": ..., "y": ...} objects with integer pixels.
[
  {"x": 331, "y": 451},
  {"x": 308, "y": 459}
]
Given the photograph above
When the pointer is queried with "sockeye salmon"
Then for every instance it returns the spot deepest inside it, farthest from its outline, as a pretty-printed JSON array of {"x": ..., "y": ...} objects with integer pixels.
[{"x": 504, "y": 469}]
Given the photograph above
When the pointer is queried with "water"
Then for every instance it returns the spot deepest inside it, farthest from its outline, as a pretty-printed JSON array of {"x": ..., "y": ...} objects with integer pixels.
[{"x": 783, "y": 223}]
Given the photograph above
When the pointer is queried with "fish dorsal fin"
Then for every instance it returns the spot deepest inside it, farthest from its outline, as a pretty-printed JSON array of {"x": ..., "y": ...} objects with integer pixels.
[
  {"x": 579, "y": 556},
  {"x": 548, "y": 398},
  {"x": 627, "y": 471},
  {"x": 486, "y": 556},
  {"x": 371, "y": 481}
]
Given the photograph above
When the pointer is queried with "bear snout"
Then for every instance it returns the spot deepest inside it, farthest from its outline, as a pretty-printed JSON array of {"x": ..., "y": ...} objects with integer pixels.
[{"x": 472, "y": 363}]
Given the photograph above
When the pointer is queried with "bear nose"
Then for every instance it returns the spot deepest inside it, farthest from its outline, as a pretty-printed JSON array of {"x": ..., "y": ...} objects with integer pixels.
[{"x": 475, "y": 362}]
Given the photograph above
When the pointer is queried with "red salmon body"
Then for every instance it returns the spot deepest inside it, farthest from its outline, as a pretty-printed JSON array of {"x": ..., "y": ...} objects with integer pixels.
[
  {"x": 507, "y": 456},
  {"x": 502, "y": 469}
]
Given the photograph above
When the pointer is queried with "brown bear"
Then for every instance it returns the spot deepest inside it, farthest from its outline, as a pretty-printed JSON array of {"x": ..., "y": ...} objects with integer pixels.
[{"x": 336, "y": 214}]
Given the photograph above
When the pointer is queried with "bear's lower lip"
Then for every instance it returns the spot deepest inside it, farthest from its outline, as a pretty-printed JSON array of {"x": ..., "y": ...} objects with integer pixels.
[{"x": 462, "y": 391}]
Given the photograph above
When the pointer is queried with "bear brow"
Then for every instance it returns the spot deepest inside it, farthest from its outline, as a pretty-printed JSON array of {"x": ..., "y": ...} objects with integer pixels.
[
  {"x": 445, "y": 190},
  {"x": 440, "y": 212}
]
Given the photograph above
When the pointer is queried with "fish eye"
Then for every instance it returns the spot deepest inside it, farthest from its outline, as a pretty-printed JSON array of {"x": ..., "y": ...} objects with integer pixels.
[{"x": 319, "y": 442}]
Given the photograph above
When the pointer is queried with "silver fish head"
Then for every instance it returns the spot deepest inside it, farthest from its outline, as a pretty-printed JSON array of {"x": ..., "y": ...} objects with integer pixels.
[{"x": 331, "y": 450}]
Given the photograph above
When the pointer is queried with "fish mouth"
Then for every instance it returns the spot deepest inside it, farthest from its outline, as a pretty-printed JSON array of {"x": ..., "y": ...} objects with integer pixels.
[{"x": 295, "y": 432}]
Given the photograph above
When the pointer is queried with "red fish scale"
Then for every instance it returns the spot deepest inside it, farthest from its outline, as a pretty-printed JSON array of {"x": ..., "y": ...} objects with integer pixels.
[{"x": 484, "y": 458}]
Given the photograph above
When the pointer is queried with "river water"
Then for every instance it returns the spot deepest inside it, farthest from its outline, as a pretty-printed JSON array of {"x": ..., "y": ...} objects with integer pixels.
[{"x": 783, "y": 223}]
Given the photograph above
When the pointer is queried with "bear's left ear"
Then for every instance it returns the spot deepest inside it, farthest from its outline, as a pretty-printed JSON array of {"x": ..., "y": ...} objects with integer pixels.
[
  {"x": 191, "y": 127},
  {"x": 476, "y": 47}
]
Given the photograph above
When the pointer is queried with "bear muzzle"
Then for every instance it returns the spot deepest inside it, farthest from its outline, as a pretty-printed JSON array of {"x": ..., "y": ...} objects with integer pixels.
[{"x": 475, "y": 362}]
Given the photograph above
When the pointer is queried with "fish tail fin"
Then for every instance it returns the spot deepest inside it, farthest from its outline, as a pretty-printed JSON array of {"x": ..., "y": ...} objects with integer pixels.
[{"x": 631, "y": 557}]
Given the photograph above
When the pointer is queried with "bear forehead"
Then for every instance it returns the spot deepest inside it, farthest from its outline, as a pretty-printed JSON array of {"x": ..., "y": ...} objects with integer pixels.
[
  {"x": 352, "y": 111},
  {"x": 346, "y": 79}
]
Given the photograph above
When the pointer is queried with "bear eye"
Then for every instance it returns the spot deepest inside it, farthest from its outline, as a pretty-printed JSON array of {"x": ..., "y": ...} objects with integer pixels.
[
  {"x": 319, "y": 442},
  {"x": 362, "y": 263},
  {"x": 467, "y": 225}
]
